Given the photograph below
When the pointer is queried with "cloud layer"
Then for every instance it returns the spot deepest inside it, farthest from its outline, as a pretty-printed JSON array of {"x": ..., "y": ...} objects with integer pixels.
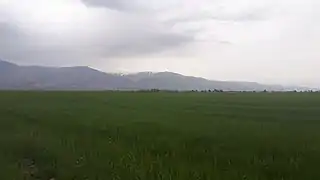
[{"x": 270, "y": 41}]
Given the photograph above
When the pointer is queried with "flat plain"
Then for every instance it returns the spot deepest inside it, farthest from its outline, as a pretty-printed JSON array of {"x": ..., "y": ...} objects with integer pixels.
[{"x": 159, "y": 136}]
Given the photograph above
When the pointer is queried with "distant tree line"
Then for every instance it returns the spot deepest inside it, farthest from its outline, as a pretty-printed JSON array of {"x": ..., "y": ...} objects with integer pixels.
[
  {"x": 222, "y": 91},
  {"x": 176, "y": 91}
]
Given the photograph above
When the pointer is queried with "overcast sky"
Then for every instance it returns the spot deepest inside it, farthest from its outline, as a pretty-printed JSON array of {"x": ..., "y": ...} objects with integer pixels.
[{"x": 268, "y": 41}]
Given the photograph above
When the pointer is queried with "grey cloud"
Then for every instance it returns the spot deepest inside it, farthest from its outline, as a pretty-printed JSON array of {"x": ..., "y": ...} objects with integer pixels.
[
  {"x": 119, "y": 42},
  {"x": 116, "y": 35},
  {"x": 181, "y": 20},
  {"x": 254, "y": 14},
  {"x": 134, "y": 5},
  {"x": 109, "y": 35},
  {"x": 111, "y": 4},
  {"x": 145, "y": 44},
  {"x": 12, "y": 38},
  {"x": 244, "y": 16}
]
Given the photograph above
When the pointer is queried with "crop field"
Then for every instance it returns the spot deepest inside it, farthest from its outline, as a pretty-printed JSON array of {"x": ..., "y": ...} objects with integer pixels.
[{"x": 159, "y": 136}]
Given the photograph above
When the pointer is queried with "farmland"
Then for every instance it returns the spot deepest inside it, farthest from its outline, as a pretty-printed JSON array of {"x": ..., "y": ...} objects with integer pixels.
[{"x": 155, "y": 136}]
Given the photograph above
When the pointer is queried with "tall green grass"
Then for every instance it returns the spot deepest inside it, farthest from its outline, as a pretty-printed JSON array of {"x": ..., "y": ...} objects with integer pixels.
[{"x": 154, "y": 136}]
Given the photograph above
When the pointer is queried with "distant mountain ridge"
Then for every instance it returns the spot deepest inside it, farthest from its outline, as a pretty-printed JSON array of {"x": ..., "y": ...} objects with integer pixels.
[{"x": 15, "y": 77}]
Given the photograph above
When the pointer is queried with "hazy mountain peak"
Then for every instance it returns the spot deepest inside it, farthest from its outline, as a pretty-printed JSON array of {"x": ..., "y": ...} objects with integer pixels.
[
  {"x": 6, "y": 63},
  {"x": 167, "y": 73},
  {"x": 81, "y": 68},
  {"x": 145, "y": 73},
  {"x": 150, "y": 73},
  {"x": 5, "y": 66}
]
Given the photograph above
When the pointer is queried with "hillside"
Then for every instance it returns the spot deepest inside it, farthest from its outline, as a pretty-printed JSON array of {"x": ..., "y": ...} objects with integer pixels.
[{"x": 17, "y": 77}]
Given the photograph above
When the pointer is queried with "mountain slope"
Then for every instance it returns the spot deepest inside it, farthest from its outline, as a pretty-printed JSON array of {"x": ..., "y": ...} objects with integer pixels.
[
  {"x": 66, "y": 78},
  {"x": 174, "y": 81},
  {"x": 13, "y": 76}
]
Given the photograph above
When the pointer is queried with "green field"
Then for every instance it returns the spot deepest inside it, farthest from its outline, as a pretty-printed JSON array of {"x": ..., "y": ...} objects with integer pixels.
[{"x": 153, "y": 136}]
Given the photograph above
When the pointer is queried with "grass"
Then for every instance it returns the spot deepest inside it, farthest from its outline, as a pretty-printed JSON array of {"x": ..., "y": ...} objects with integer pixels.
[{"x": 154, "y": 136}]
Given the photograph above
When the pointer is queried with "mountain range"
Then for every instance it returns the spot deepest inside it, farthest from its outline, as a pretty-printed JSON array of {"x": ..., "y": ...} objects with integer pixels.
[{"x": 15, "y": 77}]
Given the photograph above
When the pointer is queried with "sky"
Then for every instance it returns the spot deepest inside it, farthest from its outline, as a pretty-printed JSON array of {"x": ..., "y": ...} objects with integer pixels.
[{"x": 266, "y": 41}]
